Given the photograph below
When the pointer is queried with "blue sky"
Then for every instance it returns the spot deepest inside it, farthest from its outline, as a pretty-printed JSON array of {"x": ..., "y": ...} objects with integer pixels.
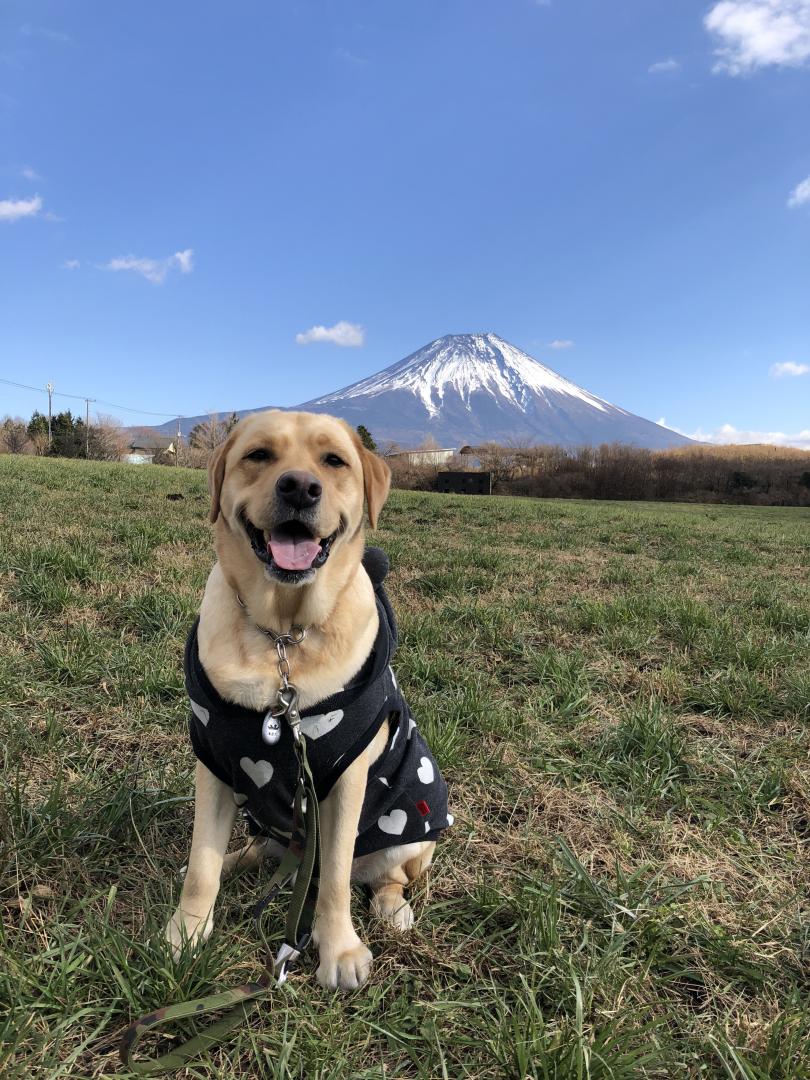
[{"x": 188, "y": 189}]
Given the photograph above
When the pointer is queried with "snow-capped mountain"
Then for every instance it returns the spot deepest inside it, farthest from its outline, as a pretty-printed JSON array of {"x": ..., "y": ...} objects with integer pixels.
[{"x": 475, "y": 388}]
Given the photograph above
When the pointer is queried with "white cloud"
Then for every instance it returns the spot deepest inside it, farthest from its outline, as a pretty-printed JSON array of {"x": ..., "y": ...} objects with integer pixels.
[
  {"x": 789, "y": 367},
  {"x": 727, "y": 434},
  {"x": 757, "y": 33},
  {"x": 14, "y": 209},
  {"x": 347, "y": 334},
  {"x": 30, "y": 174},
  {"x": 661, "y": 67},
  {"x": 184, "y": 260},
  {"x": 154, "y": 270},
  {"x": 71, "y": 264},
  {"x": 800, "y": 194},
  {"x": 560, "y": 343}
]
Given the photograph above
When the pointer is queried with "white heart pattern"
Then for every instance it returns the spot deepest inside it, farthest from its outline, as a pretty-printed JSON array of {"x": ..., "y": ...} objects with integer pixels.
[
  {"x": 202, "y": 714},
  {"x": 239, "y": 798},
  {"x": 260, "y": 772},
  {"x": 427, "y": 826},
  {"x": 450, "y": 819},
  {"x": 316, "y": 726},
  {"x": 425, "y": 771},
  {"x": 393, "y": 823},
  {"x": 383, "y": 781},
  {"x": 411, "y": 726}
]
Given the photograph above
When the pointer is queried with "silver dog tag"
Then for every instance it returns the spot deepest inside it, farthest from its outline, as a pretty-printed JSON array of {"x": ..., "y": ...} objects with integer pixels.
[{"x": 271, "y": 729}]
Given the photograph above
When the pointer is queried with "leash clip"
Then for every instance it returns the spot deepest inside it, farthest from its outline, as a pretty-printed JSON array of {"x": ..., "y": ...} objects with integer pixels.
[
  {"x": 286, "y": 955},
  {"x": 287, "y": 706}
]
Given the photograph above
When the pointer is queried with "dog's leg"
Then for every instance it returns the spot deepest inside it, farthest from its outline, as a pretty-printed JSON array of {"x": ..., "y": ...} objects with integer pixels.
[
  {"x": 249, "y": 857},
  {"x": 388, "y": 901},
  {"x": 345, "y": 961},
  {"x": 214, "y": 816}
]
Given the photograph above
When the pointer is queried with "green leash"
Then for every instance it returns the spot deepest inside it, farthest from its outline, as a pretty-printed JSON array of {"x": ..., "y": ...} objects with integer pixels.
[{"x": 301, "y": 862}]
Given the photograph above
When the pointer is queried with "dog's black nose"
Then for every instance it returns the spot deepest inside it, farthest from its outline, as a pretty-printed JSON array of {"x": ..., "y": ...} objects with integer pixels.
[{"x": 299, "y": 489}]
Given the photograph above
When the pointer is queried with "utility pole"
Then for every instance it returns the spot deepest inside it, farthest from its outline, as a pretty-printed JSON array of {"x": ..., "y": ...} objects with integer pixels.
[
  {"x": 49, "y": 388},
  {"x": 177, "y": 447},
  {"x": 87, "y": 401}
]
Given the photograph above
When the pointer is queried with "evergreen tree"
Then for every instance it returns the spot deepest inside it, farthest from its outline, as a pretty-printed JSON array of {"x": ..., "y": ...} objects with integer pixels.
[
  {"x": 67, "y": 435},
  {"x": 37, "y": 425},
  {"x": 365, "y": 437}
]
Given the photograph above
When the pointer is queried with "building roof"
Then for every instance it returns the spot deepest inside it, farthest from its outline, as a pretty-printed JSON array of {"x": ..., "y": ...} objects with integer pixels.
[
  {"x": 424, "y": 450},
  {"x": 150, "y": 442}
]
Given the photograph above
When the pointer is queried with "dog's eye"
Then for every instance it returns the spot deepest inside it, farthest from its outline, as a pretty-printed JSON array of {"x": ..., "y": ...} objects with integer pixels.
[
  {"x": 258, "y": 455},
  {"x": 335, "y": 461}
]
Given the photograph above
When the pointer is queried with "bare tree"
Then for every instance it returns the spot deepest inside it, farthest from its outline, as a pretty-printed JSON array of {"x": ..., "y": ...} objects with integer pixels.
[
  {"x": 13, "y": 435},
  {"x": 39, "y": 443},
  {"x": 208, "y": 434},
  {"x": 388, "y": 448},
  {"x": 107, "y": 439}
]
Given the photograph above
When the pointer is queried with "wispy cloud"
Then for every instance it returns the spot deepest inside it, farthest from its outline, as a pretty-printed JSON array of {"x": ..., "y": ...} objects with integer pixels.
[
  {"x": 28, "y": 30},
  {"x": 349, "y": 57},
  {"x": 27, "y": 173},
  {"x": 16, "y": 209},
  {"x": 346, "y": 334},
  {"x": 789, "y": 368},
  {"x": 71, "y": 264},
  {"x": 184, "y": 260},
  {"x": 661, "y": 67},
  {"x": 754, "y": 34},
  {"x": 154, "y": 270},
  {"x": 800, "y": 194},
  {"x": 560, "y": 343},
  {"x": 727, "y": 434}
]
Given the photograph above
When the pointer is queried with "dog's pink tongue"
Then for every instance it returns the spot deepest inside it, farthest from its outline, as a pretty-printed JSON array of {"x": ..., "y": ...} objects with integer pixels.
[{"x": 292, "y": 554}]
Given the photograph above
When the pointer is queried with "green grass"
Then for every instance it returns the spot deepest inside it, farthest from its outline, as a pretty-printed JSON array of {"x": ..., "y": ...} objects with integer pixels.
[{"x": 618, "y": 694}]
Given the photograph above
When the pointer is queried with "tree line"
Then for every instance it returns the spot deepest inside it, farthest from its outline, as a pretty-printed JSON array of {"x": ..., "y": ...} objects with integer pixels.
[
  {"x": 69, "y": 437},
  {"x": 760, "y": 475}
]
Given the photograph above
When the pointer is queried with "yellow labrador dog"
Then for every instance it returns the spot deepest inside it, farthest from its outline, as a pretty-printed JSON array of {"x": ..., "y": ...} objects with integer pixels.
[{"x": 287, "y": 495}]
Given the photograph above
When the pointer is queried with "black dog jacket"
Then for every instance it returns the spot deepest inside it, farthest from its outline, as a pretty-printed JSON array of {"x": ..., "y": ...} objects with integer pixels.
[{"x": 406, "y": 796}]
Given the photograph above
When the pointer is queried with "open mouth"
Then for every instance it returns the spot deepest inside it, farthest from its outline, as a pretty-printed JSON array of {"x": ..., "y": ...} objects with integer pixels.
[{"x": 290, "y": 550}]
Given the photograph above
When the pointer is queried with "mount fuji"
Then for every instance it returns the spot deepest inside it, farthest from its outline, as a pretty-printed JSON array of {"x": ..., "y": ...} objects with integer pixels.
[{"x": 475, "y": 388}]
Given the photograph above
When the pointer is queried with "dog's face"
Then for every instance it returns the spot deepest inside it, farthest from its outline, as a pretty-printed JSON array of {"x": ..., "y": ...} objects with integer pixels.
[{"x": 291, "y": 486}]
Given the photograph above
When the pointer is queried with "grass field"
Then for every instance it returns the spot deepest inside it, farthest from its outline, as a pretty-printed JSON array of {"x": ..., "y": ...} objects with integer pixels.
[{"x": 618, "y": 695}]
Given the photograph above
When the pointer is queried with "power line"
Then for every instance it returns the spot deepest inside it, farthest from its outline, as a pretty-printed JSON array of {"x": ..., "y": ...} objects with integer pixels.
[
  {"x": 141, "y": 412},
  {"x": 83, "y": 397}
]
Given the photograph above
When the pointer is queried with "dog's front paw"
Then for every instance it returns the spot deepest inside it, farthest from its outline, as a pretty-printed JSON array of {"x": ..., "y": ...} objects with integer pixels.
[
  {"x": 187, "y": 931},
  {"x": 345, "y": 967}
]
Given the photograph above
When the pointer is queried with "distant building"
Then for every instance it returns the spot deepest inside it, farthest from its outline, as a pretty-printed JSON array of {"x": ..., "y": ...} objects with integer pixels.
[
  {"x": 464, "y": 483},
  {"x": 143, "y": 449},
  {"x": 424, "y": 457},
  {"x": 472, "y": 456}
]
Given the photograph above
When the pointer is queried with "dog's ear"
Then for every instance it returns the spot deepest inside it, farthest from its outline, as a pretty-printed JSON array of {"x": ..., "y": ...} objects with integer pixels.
[
  {"x": 216, "y": 475},
  {"x": 376, "y": 482}
]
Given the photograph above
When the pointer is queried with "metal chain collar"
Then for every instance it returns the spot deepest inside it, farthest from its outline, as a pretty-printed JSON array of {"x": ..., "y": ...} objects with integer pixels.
[{"x": 287, "y": 696}]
